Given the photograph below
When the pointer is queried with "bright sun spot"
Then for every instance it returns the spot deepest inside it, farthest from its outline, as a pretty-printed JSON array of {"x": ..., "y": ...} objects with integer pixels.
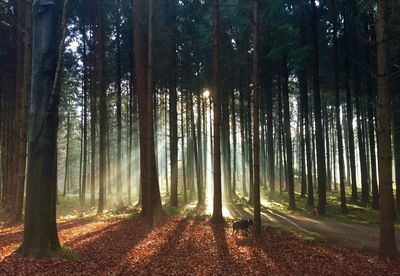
[{"x": 206, "y": 93}]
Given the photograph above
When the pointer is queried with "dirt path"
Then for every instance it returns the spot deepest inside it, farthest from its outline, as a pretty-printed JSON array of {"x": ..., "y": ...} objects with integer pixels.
[{"x": 348, "y": 234}]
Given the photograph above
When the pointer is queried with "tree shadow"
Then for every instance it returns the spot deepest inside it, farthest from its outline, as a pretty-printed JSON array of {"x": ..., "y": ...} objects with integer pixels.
[
  {"x": 226, "y": 263},
  {"x": 15, "y": 237},
  {"x": 171, "y": 243}
]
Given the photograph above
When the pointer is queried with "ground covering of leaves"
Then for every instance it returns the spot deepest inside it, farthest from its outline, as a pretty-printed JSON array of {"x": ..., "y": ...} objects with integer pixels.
[{"x": 185, "y": 246}]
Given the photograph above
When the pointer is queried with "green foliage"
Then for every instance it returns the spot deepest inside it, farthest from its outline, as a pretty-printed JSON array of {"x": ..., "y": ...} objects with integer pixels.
[
  {"x": 357, "y": 214},
  {"x": 172, "y": 211},
  {"x": 68, "y": 254}
]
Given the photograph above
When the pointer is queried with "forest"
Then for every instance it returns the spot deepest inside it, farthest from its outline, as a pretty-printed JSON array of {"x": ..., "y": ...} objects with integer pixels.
[{"x": 199, "y": 137}]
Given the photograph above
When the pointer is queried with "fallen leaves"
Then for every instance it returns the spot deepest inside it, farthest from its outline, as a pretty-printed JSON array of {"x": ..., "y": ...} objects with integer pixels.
[{"x": 185, "y": 246}]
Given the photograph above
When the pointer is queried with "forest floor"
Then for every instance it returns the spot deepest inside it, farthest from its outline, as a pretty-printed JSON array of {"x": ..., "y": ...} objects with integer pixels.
[
  {"x": 182, "y": 245},
  {"x": 359, "y": 228},
  {"x": 184, "y": 242},
  {"x": 342, "y": 233}
]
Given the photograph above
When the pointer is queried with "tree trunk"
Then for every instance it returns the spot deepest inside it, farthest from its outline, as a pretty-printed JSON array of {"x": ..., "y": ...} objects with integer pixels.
[
  {"x": 40, "y": 231},
  {"x": 288, "y": 138},
  {"x": 217, "y": 205},
  {"x": 256, "y": 123},
  {"x": 118, "y": 179},
  {"x": 185, "y": 198},
  {"x": 387, "y": 246},
  {"x": 100, "y": 87},
  {"x": 349, "y": 113},
  {"x": 26, "y": 20},
  {"x": 328, "y": 168},
  {"x": 84, "y": 88},
  {"x": 317, "y": 114},
  {"x": 67, "y": 154},
  {"x": 343, "y": 205}
]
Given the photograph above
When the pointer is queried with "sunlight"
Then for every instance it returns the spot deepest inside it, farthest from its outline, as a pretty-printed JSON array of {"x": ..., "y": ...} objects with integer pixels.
[{"x": 206, "y": 93}]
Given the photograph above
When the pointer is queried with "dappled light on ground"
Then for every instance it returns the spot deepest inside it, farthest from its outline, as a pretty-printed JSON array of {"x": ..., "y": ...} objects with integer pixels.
[{"x": 185, "y": 245}]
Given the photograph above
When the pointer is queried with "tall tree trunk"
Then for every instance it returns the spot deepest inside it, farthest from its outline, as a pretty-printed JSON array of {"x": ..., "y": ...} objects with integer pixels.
[
  {"x": 26, "y": 20},
  {"x": 243, "y": 146},
  {"x": 343, "y": 205},
  {"x": 256, "y": 122},
  {"x": 317, "y": 113},
  {"x": 387, "y": 245},
  {"x": 371, "y": 129},
  {"x": 84, "y": 88},
  {"x": 100, "y": 87},
  {"x": 67, "y": 154},
  {"x": 288, "y": 138},
  {"x": 40, "y": 231},
  {"x": 217, "y": 204},
  {"x": 305, "y": 114},
  {"x": 270, "y": 133},
  {"x": 119, "y": 112},
  {"x": 234, "y": 142},
  {"x": 328, "y": 168},
  {"x": 151, "y": 200},
  {"x": 93, "y": 125},
  {"x": 358, "y": 105},
  {"x": 349, "y": 112},
  {"x": 250, "y": 148},
  {"x": 185, "y": 198}
]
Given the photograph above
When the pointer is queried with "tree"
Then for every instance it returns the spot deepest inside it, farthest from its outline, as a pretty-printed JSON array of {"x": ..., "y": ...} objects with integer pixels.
[
  {"x": 337, "y": 111},
  {"x": 151, "y": 201},
  {"x": 317, "y": 113},
  {"x": 173, "y": 115},
  {"x": 40, "y": 231},
  {"x": 217, "y": 205},
  {"x": 288, "y": 136},
  {"x": 256, "y": 122},
  {"x": 100, "y": 87},
  {"x": 387, "y": 245},
  {"x": 119, "y": 108},
  {"x": 349, "y": 108}
]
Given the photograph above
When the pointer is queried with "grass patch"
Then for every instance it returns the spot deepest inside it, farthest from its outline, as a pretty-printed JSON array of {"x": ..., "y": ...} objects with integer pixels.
[
  {"x": 68, "y": 254},
  {"x": 356, "y": 213},
  {"x": 172, "y": 211},
  {"x": 310, "y": 238}
]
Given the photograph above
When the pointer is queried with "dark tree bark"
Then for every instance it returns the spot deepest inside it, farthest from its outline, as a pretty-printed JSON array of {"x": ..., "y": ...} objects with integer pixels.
[
  {"x": 25, "y": 19},
  {"x": 40, "y": 231},
  {"x": 234, "y": 143},
  {"x": 371, "y": 128},
  {"x": 185, "y": 197},
  {"x": 100, "y": 87},
  {"x": 387, "y": 245},
  {"x": 67, "y": 154},
  {"x": 270, "y": 135},
  {"x": 151, "y": 200},
  {"x": 305, "y": 114},
  {"x": 243, "y": 144},
  {"x": 84, "y": 88},
  {"x": 327, "y": 148},
  {"x": 256, "y": 122},
  {"x": 349, "y": 112},
  {"x": 343, "y": 205},
  {"x": 173, "y": 115},
  {"x": 217, "y": 203},
  {"x": 317, "y": 113},
  {"x": 288, "y": 138},
  {"x": 358, "y": 106},
  {"x": 118, "y": 179}
]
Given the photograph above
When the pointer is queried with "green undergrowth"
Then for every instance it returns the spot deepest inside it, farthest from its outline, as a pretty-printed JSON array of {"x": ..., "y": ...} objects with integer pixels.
[
  {"x": 70, "y": 208},
  {"x": 357, "y": 213},
  {"x": 308, "y": 237},
  {"x": 68, "y": 254}
]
